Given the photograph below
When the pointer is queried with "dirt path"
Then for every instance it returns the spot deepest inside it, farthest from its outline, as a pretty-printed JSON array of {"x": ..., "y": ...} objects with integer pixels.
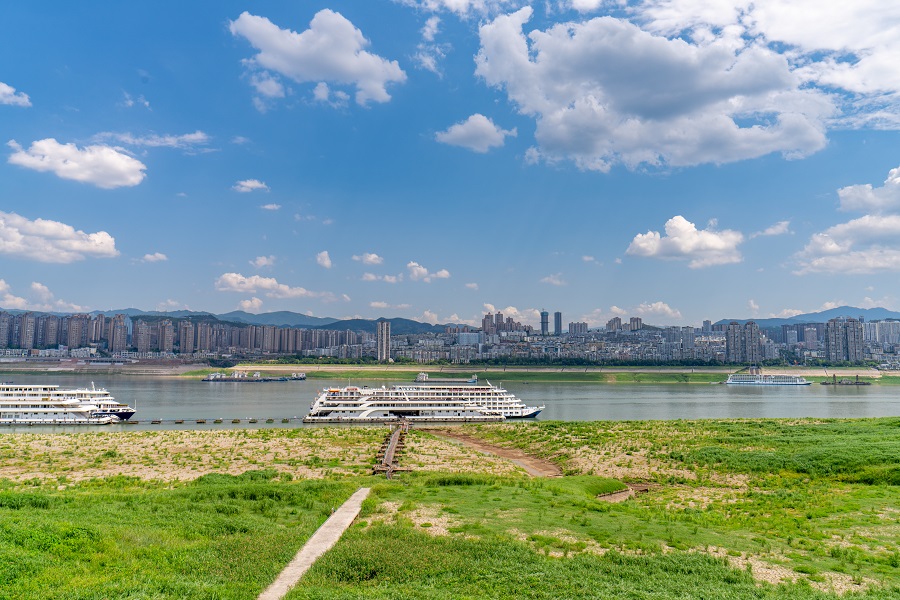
[{"x": 536, "y": 467}]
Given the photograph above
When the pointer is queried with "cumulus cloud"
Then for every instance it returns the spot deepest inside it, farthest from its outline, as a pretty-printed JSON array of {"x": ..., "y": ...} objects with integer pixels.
[
  {"x": 779, "y": 228},
  {"x": 263, "y": 261},
  {"x": 235, "y": 282},
  {"x": 383, "y": 305},
  {"x": 249, "y": 185},
  {"x": 385, "y": 278},
  {"x": 9, "y": 95},
  {"x": 428, "y": 53},
  {"x": 465, "y": 8},
  {"x": 48, "y": 241},
  {"x": 657, "y": 309},
  {"x": 477, "y": 133},
  {"x": 155, "y": 257},
  {"x": 253, "y": 305},
  {"x": 603, "y": 92},
  {"x": 271, "y": 207},
  {"x": 331, "y": 50},
  {"x": 868, "y": 244},
  {"x": 683, "y": 241},
  {"x": 419, "y": 273},
  {"x": 368, "y": 258},
  {"x": 851, "y": 46},
  {"x": 99, "y": 165},
  {"x": 187, "y": 141},
  {"x": 866, "y": 198},
  {"x": 554, "y": 279},
  {"x": 40, "y": 299},
  {"x": 323, "y": 260},
  {"x": 864, "y": 245},
  {"x": 472, "y": 286}
]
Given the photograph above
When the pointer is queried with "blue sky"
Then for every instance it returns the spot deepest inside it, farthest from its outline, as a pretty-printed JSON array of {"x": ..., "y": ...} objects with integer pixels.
[{"x": 434, "y": 159}]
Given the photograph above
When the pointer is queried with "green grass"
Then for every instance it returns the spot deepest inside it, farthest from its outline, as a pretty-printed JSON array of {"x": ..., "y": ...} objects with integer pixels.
[{"x": 218, "y": 537}]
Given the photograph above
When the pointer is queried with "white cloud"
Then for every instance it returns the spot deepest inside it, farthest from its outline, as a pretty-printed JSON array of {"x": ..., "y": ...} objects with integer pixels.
[
  {"x": 331, "y": 50},
  {"x": 323, "y": 260},
  {"x": 385, "y": 278},
  {"x": 266, "y": 85},
  {"x": 272, "y": 206},
  {"x": 383, "y": 305},
  {"x": 428, "y": 53},
  {"x": 864, "y": 245},
  {"x": 9, "y": 95},
  {"x": 419, "y": 273},
  {"x": 847, "y": 46},
  {"x": 871, "y": 199},
  {"x": 554, "y": 279},
  {"x": 263, "y": 261},
  {"x": 170, "y": 304},
  {"x": 250, "y": 185},
  {"x": 235, "y": 282},
  {"x": 657, "y": 309},
  {"x": 753, "y": 306},
  {"x": 51, "y": 241},
  {"x": 336, "y": 98},
  {"x": 128, "y": 101},
  {"x": 588, "y": 259},
  {"x": 787, "y": 313},
  {"x": 187, "y": 141},
  {"x": 155, "y": 257},
  {"x": 99, "y": 165},
  {"x": 465, "y": 8},
  {"x": 10, "y": 301},
  {"x": 683, "y": 241},
  {"x": 779, "y": 228},
  {"x": 604, "y": 92},
  {"x": 472, "y": 286},
  {"x": 253, "y": 305},
  {"x": 42, "y": 299},
  {"x": 477, "y": 133},
  {"x": 368, "y": 258},
  {"x": 526, "y": 316}
]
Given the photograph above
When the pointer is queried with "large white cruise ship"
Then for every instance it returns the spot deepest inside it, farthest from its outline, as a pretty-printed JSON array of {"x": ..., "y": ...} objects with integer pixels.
[
  {"x": 755, "y": 377},
  {"x": 444, "y": 402},
  {"x": 22, "y": 404}
]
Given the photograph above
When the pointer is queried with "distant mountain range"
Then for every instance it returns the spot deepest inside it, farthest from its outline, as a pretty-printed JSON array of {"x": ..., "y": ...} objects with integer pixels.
[
  {"x": 409, "y": 327},
  {"x": 869, "y": 314},
  {"x": 282, "y": 318}
]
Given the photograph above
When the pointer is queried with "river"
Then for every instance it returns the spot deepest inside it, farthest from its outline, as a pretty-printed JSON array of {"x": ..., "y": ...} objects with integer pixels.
[{"x": 170, "y": 398}]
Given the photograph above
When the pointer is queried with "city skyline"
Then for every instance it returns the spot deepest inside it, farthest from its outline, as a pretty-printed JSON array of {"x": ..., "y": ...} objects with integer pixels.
[{"x": 439, "y": 160}]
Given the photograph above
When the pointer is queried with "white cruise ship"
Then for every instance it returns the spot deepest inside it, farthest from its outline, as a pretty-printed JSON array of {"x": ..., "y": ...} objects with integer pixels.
[
  {"x": 22, "y": 404},
  {"x": 755, "y": 377},
  {"x": 445, "y": 402}
]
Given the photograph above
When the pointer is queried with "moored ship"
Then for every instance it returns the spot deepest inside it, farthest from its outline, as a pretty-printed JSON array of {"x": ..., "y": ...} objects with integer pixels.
[
  {"x": 22, "y": 404},
  {"x": 756, "y": 377},
  {"x": 445, "y": 402}
]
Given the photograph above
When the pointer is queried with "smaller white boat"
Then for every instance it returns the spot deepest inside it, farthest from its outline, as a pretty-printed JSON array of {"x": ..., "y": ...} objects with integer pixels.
[{"x": 754, "y": 376}]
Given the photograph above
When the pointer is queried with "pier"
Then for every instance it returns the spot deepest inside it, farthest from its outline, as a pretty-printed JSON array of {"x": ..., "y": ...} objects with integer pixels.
[{"x": 393, "y": 444}]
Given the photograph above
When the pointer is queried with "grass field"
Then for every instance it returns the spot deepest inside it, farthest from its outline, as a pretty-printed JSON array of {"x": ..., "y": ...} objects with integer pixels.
[{"x": 735, "y": 509}]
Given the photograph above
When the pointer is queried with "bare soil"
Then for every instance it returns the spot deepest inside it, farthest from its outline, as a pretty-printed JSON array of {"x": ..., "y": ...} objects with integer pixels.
[{"x": 534, "y": 466}]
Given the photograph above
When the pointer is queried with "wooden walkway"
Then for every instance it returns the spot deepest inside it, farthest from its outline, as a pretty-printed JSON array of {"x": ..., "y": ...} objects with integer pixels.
[{"x": 321, "y": 542}]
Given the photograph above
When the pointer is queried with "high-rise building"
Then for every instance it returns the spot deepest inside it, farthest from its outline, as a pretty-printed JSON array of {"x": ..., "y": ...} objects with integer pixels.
[
  {"x": 844, "y": 340},
  {"x": 580, "y": 328},
  {"x": 545, "y": 322},
  {"x": 140, "y": 336},
  {"x": 165, "y": 334},
  {"x": 118, "y": 334},
  {"x": 635, "y": 324},
  {"x": 185, "y": 337},
  {"x": 383, "y": 340},
  {"x": 614, "y": 324},
  {"x": 707, "y": 326},
  {"x": 557, "y": 323},
  {"x": 742, "y": 343}
]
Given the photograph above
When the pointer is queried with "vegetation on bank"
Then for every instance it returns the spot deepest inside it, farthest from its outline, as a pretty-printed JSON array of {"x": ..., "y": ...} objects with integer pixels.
[{"x": 765, "y": 509}]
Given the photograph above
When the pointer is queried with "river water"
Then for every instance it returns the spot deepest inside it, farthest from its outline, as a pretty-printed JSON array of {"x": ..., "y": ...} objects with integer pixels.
[{"x": 168, "y": 399}]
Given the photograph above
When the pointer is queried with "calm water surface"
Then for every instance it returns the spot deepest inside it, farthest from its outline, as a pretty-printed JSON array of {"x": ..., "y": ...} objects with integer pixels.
[{"x": 174, "y": 398}]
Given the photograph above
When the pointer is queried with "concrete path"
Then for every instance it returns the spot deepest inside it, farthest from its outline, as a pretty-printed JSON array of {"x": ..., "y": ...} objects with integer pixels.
[{"x": 321, "y": 542}]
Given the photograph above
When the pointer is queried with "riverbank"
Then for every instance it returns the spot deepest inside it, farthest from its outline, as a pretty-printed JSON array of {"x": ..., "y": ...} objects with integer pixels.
[
  {"x": 765, "y": 508},
  {"x": 610, "y": 375}
]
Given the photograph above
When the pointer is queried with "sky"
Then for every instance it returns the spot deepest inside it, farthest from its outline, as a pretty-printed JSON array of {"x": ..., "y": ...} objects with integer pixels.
[{"x": 676, "y": 160}]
